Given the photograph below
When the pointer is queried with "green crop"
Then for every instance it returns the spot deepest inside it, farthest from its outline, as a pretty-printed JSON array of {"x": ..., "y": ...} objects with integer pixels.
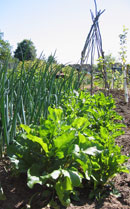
[
  {"x": 26, "y": 92},
  {"x": 76, "y": 142},
  {"x": 46, "y": 153}
]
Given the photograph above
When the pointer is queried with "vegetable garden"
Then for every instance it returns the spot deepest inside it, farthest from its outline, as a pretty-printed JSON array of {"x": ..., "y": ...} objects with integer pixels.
[
  {"x": 62, "y": 143},
  {"x": 58, "y": 136}
]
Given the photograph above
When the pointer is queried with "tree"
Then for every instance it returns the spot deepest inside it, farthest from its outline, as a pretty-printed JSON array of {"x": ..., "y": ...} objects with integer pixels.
[
  {"x": 5, "y": 49},
  {"x": 123, "y": 57},
  {"x": 25, "y": 50}
]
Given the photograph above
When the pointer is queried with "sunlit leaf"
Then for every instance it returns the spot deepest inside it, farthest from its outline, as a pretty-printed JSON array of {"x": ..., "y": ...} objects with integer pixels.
[
  {"x": 26, "y": 128},
  {"x": 33, "y": 176},
  {"x": 55, "y": 174},
  {"x": 64, "y": 139},
  {"x": 39, "y": 141},
  {"x": 92, "y": 151}
]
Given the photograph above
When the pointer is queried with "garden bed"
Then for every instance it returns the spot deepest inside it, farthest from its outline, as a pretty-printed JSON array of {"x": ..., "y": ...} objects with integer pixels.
[{"x": 18, "y": 194}]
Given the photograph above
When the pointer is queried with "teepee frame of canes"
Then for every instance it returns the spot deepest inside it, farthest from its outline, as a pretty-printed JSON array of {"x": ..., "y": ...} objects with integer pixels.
[{"x": 93, "y": 42}]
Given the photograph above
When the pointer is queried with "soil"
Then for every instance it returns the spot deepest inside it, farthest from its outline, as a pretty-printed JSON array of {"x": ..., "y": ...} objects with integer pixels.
[{"x": 18, "y": 194}]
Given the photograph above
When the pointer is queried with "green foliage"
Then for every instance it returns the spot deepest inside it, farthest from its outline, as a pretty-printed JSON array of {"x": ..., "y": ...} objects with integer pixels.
[
  {"x": 107, "y": 62},
  {"x": 5, "y": 49},
  {"x": 75, "y": 142},
  {"x": 123, "y": 56},
  {"x": 26, "y": 92},
  {"x": 44, "y": 152},
  {"x": 118, "y": 80},
  {"x": 25, "y": 50},
  {"x": 123, "y": 45},
  {"x": 52, "y": 59}
]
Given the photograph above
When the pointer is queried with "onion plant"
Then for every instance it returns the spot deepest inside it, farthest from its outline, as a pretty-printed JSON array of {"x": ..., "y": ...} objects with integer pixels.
[{"x": 26, "y": 92}]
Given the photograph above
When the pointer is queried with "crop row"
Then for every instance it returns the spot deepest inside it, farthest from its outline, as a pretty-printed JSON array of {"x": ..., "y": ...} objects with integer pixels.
[
  {"x": 75, "y": 143},
  {"x": 26, "y": 92}
]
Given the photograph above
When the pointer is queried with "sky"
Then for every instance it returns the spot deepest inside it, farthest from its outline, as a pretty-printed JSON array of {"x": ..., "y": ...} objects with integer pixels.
[{"x": 62, "y": 26}]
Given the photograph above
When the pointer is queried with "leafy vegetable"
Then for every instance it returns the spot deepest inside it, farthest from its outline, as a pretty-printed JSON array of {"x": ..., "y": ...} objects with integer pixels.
[{"x": 75, "y": 142}]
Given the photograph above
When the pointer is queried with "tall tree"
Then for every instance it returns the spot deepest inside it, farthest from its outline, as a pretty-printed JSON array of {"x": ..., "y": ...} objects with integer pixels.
[
  {"x": 25, "y": 50},
  {"x": 5, "y": 49}
]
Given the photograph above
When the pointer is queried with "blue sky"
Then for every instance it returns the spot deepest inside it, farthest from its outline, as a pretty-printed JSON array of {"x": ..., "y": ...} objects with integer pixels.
[{"x": 63, "y": 25}]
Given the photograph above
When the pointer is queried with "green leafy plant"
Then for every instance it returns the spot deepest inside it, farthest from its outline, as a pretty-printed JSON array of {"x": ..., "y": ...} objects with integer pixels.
[
  {"x": 26, "y": 92},
  {"x": 43, "y": 152},
  {"x": 75, "y": 142}
]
